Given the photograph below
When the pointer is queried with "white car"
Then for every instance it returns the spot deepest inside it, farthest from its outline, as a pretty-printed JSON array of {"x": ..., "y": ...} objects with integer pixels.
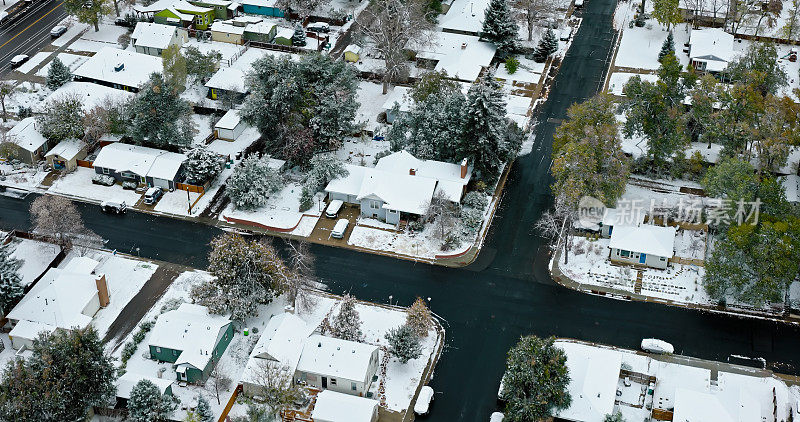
[
  {"x": 19, "y": 59},
  {"x": 58, "y": 31},
  {"x": 657, "y": 346},
  {"x": 333, "y": 208},
  {"x": 496, "y": 417},
  {"x": 421, "y": 407},
  {"x": 340, "y": 228}
]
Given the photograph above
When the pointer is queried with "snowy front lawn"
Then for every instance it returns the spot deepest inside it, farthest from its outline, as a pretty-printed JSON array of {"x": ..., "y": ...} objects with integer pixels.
[
  {"x": 22, "y": 176},
  {"x": 281, "y": 212},
  {"x": 79, "y": 184},
  {"x": 639, "y": 47},
  {"x": 36, "y": 257}
]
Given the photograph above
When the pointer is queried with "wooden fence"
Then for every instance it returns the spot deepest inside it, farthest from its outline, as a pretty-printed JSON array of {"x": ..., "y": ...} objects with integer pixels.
[
  {"x": 87, "y": 164},
  {"x": 224, "y": 415},
  {"x": 190, "y": 188}
]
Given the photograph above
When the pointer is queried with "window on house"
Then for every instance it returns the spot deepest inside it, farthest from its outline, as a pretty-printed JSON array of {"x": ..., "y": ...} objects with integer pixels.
[
  {"x": 105, "y": 170},
  {"x": 353, "y": 386},
  {"x": 374, "y": 205},
  {"x": 663, "y": 259},
  {"x": 158, "y": 349},
  {"x": 333, "y": 381},
  {"x": 174, "y": 353},
  {"x": 624, "y": 254},
  {"x": 635, "y": 255}
]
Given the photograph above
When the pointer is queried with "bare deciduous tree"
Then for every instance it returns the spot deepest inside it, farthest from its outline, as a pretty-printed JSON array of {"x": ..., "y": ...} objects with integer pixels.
[
  {"x": 6, "y": 91},
  {"x": 300, "y": 284},
  {"x": 276, "y": 385},
  {"x": 556, "y": 225},
  {"x": 443, "y": 213},
  {"x": 57, "y": 217},
  {"x": 533, "y": 10},
  {"x": 218, "y": 380},
  {"x": 392, "y": 25}
]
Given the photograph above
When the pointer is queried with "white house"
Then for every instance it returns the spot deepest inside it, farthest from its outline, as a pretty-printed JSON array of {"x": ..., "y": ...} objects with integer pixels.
[
  {"x": 230, "y": 126},
  {"x": 697, "y": 406},
  {"x": 337, "y": 365},
  {"x": 462, "y": 57},
  {"x": 336, "y": 407},
  {"x": 64, "y": 298},
  {"x": 647, "y": 245},
  {"x": 30, "y": 143},
  {"x": 121, "y": 69},
  {"x": 154, "y": 38},
  {"x": 592, "y": 385},
  {"x": 150, "y": 166},
  {"x": 710, "y": 49}
]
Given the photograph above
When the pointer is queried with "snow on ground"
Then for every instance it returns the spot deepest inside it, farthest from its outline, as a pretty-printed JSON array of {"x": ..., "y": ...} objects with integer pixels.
[
  {"x": 231, "y": 148},
  {"x": 710, "y": 153},
  {"x": 690, "y": 244},
  {"x": 202, "y": 125},
  {"x": 36, "y": 257},
  {"x": 775, "y": 29},
  {"x": 644, "y": 192},
  {"x": 640, "y": 46},
  {"x": 361, "y": 152},
  {"x": 79, "y": 184},
  {"x": 27, "y": 94},
  {"x": 124, "y": 276},
  {"x": 422, "y": 245},
  {"x": 370, "y": 99},
  {"x": 528, "y": 72},
  {"x": 177, "y": 202},
  {"x": 72, "y": 61},
  {"x": 92, "y": 41},
  {"x": 22, "y": 176},
  {"x": 33, "y": 62},
  {"x": 735, "y": 391},
  {"x": 618, "y": 80},
  {"x": 281, "y": 210}
]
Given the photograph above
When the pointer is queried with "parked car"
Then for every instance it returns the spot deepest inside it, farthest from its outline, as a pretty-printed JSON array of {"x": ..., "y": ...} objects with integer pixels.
[
  {"x": 423, "y": 404},
  {"x": 578, "y": 3},
  {"x": 120, "y": 21},
  {"x": 114, "y": 207},
  {"x": 17, "y": 60},
  {"x": 340, "y": 228},
  {"x": 333, "y": 208},
  {"x": 657, "y": 346},
  {"x": 58, "y": 31},
  {"x": 496, "y": 417},
  {"x": 103, "y": 179},
  {"x": 565, "y": 33},
  {"x": 153, "y": 195},
  {"x": 318, "y": 27}
]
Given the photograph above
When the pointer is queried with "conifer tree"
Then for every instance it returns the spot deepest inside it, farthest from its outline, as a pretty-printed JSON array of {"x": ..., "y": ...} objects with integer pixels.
[
  {"x": 147, "y": 404},
  {"x": 58, "y": 74},
  {"x": 11, "y": 290},
  {"x": 204, "y": 412},
  {"x": 418, "y": 317},
  {"x": 404, "y": 343},
  {"x": 347, "y": 323},
  {"x": 668, "y": 47},
  {"x": 499, "y": 26},
  {"x": 547, "y": 46}
]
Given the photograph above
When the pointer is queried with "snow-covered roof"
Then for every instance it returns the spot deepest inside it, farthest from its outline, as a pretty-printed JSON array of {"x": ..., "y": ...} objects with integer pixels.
[
  {"x": 135, "y": 67},
  {"x": 182, "y": 16},
  {"x": 154, "y": 35},
  {"x": 259, "y": 3},
  {"x": 353, "y": 48},
  {"x": 338, "y": 407},
  {"x": 67, "y": 149},
  {"x": 26, "y": 135},
  {"x": 172, "y": 5},
  {"x": 229, "y": 79},
  {"x": 281, "y": 342},
  {"x": 399, "y": 192},
  {"x": 463, "y": 57},
  {"x": 465, "y": 16},
  {"x": 230, "y": 120},
  {"x": 712, "y": 45},
  {"x": 58, "y": 299},
  {"x": 259, "y": 27},
  {"x": 227, "y": 27},
  {"x": 648, "y": 239},
  {"x": 350, "y": 184},
  {"x": 128, "y": 380},
  {"x": 593, "y": 382},
  {"x": 192, "y": 330},
  {"x": 791, "y": 186},
  {"x": 90, "y": 94},
  {"x": 629, "y": 216},
  {"x": 336, "y": 358},
  {"x": 401, "y": 96},
  {"x": 447, "y": 175},
  {"x": 286, "y": 33},
  {"x": 247, "y": 19},
  {"x": 224, "y": 3},
  {"x": 697, "y": 406},
  {"x": 30, "y": 329},
  {"x": 81, "y": 265},
  {"x": 140, "y": 160}
]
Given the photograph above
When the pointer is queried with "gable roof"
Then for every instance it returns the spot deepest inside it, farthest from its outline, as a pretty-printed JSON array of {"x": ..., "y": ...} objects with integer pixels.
[
  {"x": 648, "y": 239},
  {"x": 190, "y": 329},
  {"x": 711, "y": 44},
  {"x": 227, "y": 27},
  {"x": 143, "y": 161},
  {"x": 350, "y": 184},
  {"x": 154, "y": 35},
  {"x": 26, "y": 135},
  {"x": 463, "y": 57},
  {"x": 336, "y": 357},
  {"x": 400, "y": 192},
  {"x": 68, "y": 149},
  {"x": 447, "y": 175},
  {"x": 135, "y": 72},
  {"x": 281, "y": 342},
  {"x": 338, "y": 407}
]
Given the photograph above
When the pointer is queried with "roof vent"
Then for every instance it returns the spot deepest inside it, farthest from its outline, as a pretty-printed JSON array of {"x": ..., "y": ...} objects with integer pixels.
[
  {"x": 319, "y": 344},
  {"x": 463, "y": 46},
  {"x": 119, "y": 67}
]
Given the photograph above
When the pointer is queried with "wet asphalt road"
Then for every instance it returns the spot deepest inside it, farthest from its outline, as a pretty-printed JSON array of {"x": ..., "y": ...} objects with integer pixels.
[{"x": 507, "y": 292}]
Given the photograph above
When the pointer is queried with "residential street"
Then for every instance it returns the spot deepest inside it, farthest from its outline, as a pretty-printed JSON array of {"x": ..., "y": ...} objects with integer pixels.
[
  {"x": 507, "y": 292},
  {"x": 30, "y": 32}
]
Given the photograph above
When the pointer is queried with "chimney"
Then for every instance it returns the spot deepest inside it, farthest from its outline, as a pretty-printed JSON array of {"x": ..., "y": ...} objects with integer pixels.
[
  {"x": 464, "y": 168},
  {"x": 289, "y": 309},
  {"x": 412, "y": 172},
  {"x": 102, "y": 289},
  {"x": 463, "y": 46}
]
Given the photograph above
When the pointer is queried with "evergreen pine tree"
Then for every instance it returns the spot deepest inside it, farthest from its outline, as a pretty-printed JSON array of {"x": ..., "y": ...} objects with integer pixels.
[
  {"x": 547, "y": 46},
  {"x": 11, "y": 290},
  {"x": 58, "y": 74},
  {"x": 347, "y": 323},
  {"x": 418, "y": 317},
  {"x": 252, "y": 182},
  {"x": 404, "y": 343},
  {"x": 499, "y": 26},
  {"x": 147, "y": 404},
  {"x": 202, "y": 165},
  {"x": 668, "y": 47},
  {"x": 204, "y": 412},
  {"x": 159, "y": 116}
]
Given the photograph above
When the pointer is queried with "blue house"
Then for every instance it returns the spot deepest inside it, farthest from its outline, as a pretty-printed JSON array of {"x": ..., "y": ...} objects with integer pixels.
[{"x": 262, "y": 7}]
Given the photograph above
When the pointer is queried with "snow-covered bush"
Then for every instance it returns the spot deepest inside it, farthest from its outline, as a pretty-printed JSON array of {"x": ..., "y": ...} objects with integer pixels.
[
  {"x": 475, "y": 199},
  {"x": 472, "y": 219},
  {"x": 252, "y": 182},
  {"x": 171, "y": 304},
  {"x": 102, "y": 179},
  {"x": 62, "y": 118},
  {"x": 202, "y": 165},
  {"x": 451, "y": 241},
  {"x": 204, "y": 412},
  {"x": 11, "y": 291},
  {"x": 404, "y": 344},
  {"x": 129, "y": 185},
  {"x": 306, "y": 199}
]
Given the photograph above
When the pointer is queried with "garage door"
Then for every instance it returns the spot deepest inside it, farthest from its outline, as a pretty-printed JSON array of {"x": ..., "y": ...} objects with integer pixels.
[{"x": 161, "y": 183}]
